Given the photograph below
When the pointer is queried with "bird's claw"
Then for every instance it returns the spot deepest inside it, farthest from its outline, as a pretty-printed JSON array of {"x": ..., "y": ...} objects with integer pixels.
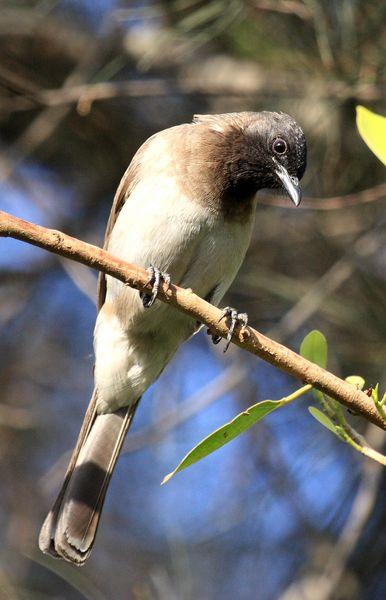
[
  {"x": 235, "y": 319},
  {"x": 155, "y": 278},
  {"x": 216, "y": 339}
]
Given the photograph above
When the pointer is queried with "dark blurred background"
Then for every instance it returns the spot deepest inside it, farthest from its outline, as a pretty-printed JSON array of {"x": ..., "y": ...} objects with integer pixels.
[{"x": 286, "y": 511}]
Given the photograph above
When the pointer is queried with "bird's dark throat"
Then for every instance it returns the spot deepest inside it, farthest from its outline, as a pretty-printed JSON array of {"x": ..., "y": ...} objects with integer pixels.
[{"x": 237, "y": 200}]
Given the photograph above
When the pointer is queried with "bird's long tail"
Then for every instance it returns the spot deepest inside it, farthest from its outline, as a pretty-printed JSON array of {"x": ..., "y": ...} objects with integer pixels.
[{"x": 70, "y": 527}]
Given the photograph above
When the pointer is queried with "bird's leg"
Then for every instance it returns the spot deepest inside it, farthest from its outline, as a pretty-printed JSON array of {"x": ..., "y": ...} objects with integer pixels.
[
  {"x": 235, "y": 319},
  {"x": 155, "y": 278}
]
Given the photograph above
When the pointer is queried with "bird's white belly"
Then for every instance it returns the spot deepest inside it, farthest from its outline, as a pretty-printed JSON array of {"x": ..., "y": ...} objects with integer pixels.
[{"x": 198, "y": 249}]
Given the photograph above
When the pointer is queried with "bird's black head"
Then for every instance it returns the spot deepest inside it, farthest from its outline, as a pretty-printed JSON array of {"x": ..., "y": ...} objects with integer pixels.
[{"x": 261, "y": 150}]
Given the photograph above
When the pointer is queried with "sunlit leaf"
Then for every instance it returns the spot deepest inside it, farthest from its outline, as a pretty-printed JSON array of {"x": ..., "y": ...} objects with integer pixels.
[
  {"x": 372, "y": 128},
  {"x": 323, "y": 419},
  {"x": 356, "y": 380},
  {"x": 226, "y": 433},
  {"x": 314, "y": 348},
  {"x": 375, "y": 393}
]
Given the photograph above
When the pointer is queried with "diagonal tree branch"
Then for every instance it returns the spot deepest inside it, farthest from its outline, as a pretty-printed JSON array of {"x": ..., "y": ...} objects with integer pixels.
[{"x": 191, "y": 304}]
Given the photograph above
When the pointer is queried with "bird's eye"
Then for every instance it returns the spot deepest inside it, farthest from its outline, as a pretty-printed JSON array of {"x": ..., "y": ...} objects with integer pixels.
[{"x": 279, "y": 146}]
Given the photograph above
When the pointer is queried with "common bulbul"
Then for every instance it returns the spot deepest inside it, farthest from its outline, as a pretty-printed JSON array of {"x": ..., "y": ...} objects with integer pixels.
[{"x": 185, "y": 207}]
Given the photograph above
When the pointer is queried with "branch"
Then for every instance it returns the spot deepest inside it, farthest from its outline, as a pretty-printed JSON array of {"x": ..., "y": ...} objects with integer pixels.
[
  {"x": 377, "y": 192},
  {"x": 85, "y": 94},
  {"x": 192, "y": 305},
  {"x": 289, "y": 7}
]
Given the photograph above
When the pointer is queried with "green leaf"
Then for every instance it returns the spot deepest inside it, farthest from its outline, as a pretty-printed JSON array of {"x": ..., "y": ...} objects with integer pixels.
[
  {"x": 379, "y": 404},
  {"x": 356, "y": 380},
  {"x": 323, "y": 419},
  {"x": 314, "y": 348},
  {"x": 375, "y": 393},
  {"x": 372, "y": 128},
  {"x": 226, "y": 433}
]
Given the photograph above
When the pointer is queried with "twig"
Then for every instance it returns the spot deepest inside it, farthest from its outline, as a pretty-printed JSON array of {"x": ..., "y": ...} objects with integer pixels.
[
  {"x": 321, "y": 586},
  {"x": 378, "y": 192},
  {"x": 359, "y": 515},
  {"x": 84, "y": 280},
  {"x": 289, "y": 7},
  {"x": 326, "y": 285},
  {"x": 194, "y": 306},
  {"x": 106, "y": 90},
  {"x": 175, "y": 417},
  {"x": 45, "y": 123}
]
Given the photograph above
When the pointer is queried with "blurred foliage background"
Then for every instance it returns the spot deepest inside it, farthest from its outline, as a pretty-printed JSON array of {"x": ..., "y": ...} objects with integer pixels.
[{"x": 287, "y": 511}]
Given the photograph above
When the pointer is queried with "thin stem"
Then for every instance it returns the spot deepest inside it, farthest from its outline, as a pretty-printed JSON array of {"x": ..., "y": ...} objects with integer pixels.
[{"x": 297, "y": 394}]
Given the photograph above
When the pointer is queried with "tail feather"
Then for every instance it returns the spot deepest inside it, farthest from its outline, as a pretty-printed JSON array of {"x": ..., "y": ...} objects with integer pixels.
[
  {"x": 70, "y": 528},
  {"x": 47, "y": 532}
]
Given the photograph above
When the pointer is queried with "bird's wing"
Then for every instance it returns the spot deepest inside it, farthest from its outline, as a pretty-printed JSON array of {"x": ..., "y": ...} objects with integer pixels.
[{"x": 121, "y": 196}]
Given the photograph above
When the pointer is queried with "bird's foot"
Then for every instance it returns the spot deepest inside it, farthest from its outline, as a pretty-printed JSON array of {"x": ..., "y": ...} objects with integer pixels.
[
  {"x": 155, "y": 278},
  {"x": 235, "y": 318}
]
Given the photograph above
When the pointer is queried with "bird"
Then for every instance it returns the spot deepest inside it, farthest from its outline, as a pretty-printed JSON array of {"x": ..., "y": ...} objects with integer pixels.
[{"x": 184, "y": 210}]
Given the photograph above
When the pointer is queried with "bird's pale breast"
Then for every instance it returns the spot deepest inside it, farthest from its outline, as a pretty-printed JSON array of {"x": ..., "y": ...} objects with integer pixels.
[{"x": 160, "y": 226}]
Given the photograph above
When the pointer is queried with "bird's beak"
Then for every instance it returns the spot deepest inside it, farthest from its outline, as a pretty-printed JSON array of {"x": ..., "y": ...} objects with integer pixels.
[{"x": 290, "y": 184}]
